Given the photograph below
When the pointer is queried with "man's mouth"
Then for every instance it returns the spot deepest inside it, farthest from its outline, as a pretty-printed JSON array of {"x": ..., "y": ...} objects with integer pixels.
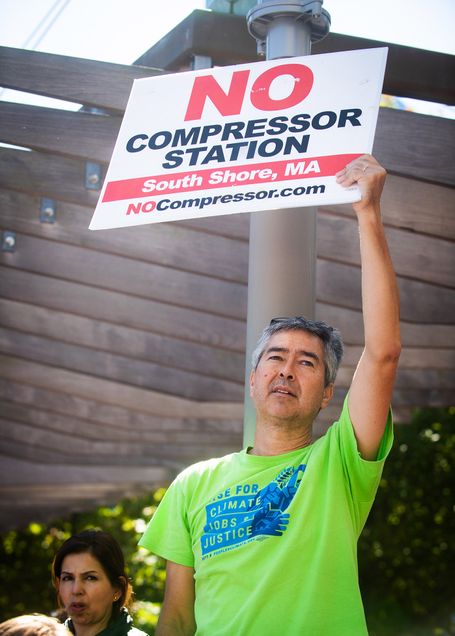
[{"x": 283, "y": 390}]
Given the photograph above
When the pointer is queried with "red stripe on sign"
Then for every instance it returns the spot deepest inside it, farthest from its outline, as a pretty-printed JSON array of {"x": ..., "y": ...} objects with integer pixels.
[{"x": 177, "y": 182}]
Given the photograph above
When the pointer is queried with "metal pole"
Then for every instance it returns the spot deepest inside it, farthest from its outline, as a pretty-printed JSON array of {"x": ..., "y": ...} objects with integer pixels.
[{"x": 282, "y": 257}]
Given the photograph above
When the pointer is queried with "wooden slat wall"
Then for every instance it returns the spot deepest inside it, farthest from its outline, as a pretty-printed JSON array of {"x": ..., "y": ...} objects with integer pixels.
[
  {"x": 122, "y": 351},
  {"x": 73, "y": 79}
]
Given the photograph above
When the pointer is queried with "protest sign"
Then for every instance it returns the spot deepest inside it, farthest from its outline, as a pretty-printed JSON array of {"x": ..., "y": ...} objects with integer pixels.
[{"x": 259, "y": 136}]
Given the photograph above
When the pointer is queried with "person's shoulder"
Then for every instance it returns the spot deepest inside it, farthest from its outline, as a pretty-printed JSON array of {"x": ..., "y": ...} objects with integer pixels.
[
  {"x": 208, "y": 466},
  {"x": 126, "y": 626},
  {"x": 134, "y": 631}
]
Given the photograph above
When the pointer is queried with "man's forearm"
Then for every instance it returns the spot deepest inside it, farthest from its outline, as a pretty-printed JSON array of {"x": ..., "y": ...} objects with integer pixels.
[{"x": 380, "y": 300}]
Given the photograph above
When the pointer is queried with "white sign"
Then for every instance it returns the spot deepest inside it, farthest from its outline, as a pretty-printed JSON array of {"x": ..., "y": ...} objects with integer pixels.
[{"x": 244, "y": 138}]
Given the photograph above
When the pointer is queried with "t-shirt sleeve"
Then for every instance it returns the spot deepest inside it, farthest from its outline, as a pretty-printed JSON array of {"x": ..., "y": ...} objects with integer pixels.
[
  {"x": 363, "y": 476},
  {"x": 168, "y": 533}
]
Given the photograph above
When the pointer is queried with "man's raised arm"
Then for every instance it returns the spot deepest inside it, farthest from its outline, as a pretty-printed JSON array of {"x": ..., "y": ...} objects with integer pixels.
[{"x": 372, "y": 385}]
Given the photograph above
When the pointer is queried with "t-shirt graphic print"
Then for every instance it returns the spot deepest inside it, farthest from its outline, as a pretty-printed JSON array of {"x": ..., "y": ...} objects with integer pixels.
[{"x": 244, "y": 513}]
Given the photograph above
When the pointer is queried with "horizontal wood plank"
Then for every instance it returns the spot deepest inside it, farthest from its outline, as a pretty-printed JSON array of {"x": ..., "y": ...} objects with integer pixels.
[
  {"x": 190, "y": 325},
  {"x": 36, "y": 474},
  {"x": 339, "y": 284},
  {"x": 62, "y": 179},
  {"x": 413, "y": 205},
  {"x": 78, "y": 134},
  {"x": 350, "y": 323},
  {"x": 141, "y": 345},
  {"x": 166, "y": 457},
  {"x": 118, "y": 308},
  {"x": 169, "y": 244},
  {"x": 407, "y": 379},
  {"x": 411, "y": 357},
  {"x": 114, "y": 393},
  {"x": 172, "y": 352},
  {"x": 44, "y": 175},
  {"x": 76, "y": 448},
  {"x": 414, "y": 145},
  {"x": 53, "y": 406},
  {"x": 415, "y": 255},
  {"x": 132, "y": 277},
  {"x": 410, "y": 71},
  {"x": 89, "y": 82},
  {"x": 120, "y": 368}
]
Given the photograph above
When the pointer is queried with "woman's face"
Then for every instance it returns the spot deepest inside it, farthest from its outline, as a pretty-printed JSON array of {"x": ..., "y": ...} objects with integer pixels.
[{"x": 86, "y": 592}]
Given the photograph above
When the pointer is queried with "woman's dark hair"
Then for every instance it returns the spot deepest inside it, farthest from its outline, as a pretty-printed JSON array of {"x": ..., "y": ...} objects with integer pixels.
[{"x": 108, "y": 552}]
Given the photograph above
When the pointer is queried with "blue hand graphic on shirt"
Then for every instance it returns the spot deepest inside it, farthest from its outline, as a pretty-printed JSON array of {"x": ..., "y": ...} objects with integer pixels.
[
  {"x": 272, "y": 525},
  {"x": 272, "y": 501}
]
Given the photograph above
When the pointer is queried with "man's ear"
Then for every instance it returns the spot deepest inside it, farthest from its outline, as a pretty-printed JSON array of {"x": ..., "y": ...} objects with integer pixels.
[
  {"x": 327, "y": 395},
  {"x": 251, "y": 383}
]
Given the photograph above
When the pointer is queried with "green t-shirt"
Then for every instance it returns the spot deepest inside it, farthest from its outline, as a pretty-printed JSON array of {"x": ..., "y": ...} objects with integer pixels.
[{"x": 273, "y": 540}]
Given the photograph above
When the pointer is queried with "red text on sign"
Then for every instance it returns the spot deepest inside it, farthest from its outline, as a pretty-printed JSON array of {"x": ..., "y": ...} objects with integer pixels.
[{"x": 230, "y": 102}]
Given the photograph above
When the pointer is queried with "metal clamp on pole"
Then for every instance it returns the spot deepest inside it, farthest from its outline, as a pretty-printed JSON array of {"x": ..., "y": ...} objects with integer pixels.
[{"x": 278, "y": 26}]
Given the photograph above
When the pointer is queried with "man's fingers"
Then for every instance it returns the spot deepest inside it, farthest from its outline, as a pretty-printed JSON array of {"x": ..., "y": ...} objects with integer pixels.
[{"x": 361, "y": 169}]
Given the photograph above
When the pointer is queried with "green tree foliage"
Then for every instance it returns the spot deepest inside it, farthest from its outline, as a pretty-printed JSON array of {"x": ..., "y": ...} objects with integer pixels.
[
  {"x": 406, "y": 552},
  {"x": 26, "y": 556}
]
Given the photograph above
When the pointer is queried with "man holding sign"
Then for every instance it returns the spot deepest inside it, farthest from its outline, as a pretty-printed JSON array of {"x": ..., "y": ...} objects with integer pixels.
[{"x": 263, "y": 541}]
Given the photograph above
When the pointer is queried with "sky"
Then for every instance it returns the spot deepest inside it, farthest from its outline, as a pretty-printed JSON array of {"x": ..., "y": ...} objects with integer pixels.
[{"x": 121, "y": 31}]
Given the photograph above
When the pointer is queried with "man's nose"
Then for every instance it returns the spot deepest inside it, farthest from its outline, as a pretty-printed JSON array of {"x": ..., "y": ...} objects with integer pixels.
[{"x": 287, "y": 371}]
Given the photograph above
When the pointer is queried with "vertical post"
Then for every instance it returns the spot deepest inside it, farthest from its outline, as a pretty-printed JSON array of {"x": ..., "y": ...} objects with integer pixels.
[{"x": 282, "y": 256}]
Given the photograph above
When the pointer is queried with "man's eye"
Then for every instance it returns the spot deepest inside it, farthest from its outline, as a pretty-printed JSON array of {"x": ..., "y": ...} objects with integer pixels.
[{"x": 307, "y": 363}]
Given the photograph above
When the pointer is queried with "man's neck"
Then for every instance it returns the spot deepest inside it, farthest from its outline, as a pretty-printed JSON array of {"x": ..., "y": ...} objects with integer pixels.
[{"x": 277, "y": 440}]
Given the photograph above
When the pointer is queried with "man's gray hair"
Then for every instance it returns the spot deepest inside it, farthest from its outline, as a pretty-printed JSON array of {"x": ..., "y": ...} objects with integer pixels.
[{"x": 331, "y": 340}]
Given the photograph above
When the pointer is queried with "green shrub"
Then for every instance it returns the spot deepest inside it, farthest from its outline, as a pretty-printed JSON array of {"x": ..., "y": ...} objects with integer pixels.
[{"x": 406, "y": 552}]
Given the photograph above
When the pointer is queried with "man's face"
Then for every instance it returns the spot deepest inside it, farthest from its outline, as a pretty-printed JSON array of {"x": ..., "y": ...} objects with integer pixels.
[{"x": 288, "y": 383}]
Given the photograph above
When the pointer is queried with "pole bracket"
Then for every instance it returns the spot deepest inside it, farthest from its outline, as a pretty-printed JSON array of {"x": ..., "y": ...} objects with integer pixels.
[{"x": 309, "y": 12}]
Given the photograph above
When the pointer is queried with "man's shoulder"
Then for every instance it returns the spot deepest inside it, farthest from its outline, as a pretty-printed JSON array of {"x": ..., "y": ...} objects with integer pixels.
[{"x": 211, "y": 465}]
